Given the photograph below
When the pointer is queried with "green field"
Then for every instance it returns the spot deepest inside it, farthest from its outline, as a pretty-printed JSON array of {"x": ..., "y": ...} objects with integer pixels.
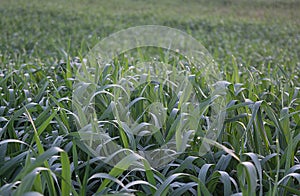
[{"x": 256, "y": 45}]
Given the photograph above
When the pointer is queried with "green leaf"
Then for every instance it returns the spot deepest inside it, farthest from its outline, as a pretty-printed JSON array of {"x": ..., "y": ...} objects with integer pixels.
[{"x": 247, "y": 177}]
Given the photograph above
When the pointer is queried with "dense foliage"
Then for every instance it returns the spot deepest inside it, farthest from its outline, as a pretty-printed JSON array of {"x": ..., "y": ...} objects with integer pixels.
[{"x": 257, "y": 48}]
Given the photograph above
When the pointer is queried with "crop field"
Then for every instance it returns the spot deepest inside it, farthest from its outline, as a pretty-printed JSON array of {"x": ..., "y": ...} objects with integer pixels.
[{"x": 255, "y": 149}]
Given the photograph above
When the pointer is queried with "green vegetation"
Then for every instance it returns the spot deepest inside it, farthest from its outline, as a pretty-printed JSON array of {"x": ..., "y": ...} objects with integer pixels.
[{"x": 256, "y": 45}]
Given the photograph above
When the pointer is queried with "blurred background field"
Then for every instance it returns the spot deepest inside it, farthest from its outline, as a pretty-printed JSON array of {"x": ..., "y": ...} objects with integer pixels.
[{"x": 250, "y": 30}]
